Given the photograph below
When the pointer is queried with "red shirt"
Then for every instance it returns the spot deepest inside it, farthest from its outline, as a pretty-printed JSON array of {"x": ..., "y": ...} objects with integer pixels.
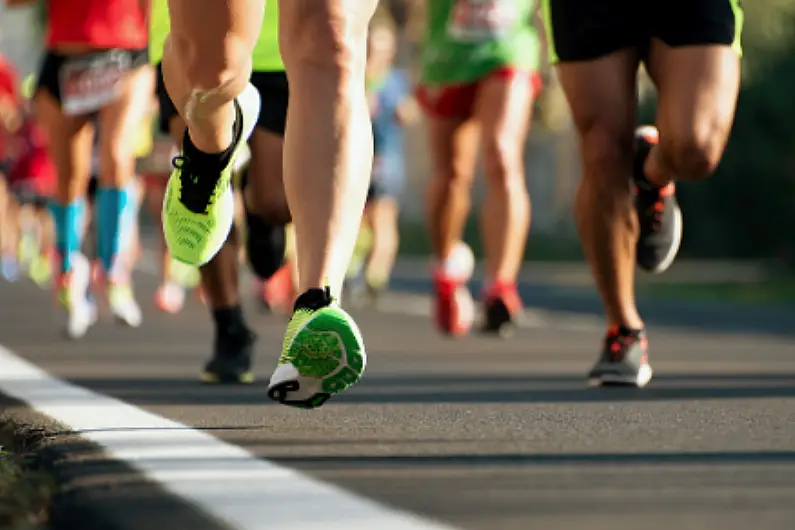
[
  {"x": 9, "y": 95},
  {"x": 100, "y": 24}
]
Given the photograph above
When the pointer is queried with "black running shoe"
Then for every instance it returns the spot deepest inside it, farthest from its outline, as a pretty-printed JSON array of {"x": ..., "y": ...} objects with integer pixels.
[
  {"x": 231, "y": 361},
  {"x": 624, "y": 360},
  {"x": 658, "y": 211}
]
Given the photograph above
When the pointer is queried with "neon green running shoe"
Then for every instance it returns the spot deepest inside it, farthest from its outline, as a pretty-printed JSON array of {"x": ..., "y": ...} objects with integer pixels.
[
  {"x": 198, "y": 211},
  {"x": 323, "y": 353}
]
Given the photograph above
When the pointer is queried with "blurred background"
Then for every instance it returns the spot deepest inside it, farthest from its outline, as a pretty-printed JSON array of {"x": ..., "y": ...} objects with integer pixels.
[{"x": 739, "y": 225}]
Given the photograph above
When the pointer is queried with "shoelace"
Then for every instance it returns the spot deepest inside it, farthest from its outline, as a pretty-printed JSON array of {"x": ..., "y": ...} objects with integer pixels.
[{"x": 196, "y": 192}]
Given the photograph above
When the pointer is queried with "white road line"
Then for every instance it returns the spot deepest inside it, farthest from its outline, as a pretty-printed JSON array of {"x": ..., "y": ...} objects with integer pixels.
[{"x": 224, "y": 481}]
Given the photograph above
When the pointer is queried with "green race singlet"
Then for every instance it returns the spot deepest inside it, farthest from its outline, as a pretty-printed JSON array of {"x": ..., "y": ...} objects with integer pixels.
[{"x": 465, "y": 40}]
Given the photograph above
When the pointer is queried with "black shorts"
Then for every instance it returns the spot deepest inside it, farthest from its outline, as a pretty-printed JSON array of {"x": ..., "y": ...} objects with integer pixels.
[
  {"x": 273, "y": 92},
  {"x": 582, "y": 30},
  {"x": 50, "y": 71},
  {"x": 27, "y": 195}
]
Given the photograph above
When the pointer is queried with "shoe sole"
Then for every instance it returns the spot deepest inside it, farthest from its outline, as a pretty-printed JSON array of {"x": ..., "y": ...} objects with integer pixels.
[
  {"x": 639, "y": 380},
  {"x": 302, "y": 374},
  {"x": 210, "y": 378}
]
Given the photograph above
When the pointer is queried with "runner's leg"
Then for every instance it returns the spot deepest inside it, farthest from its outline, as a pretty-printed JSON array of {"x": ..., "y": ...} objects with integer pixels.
[
  {"x": 601, "y": 95},
  {"x": 206, "y": 68},
  {"x": 70, "y": 143},
  {"x": 697, "y": 93},
  {"x": 503, "y": 108},
  {"x": 327, "y": 159},
  {"x": 454, "y": 140},
  {"x": 116, "y": 200},
  {"x": 597, "y": 68}
]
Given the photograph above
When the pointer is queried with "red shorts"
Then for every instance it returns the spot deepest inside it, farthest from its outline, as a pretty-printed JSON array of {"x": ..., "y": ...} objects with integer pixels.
[{"x": 458, "y": 101}]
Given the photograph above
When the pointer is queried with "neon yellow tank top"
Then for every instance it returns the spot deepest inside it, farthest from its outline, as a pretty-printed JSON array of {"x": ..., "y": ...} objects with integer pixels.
[{"x": 265, "y": 58}]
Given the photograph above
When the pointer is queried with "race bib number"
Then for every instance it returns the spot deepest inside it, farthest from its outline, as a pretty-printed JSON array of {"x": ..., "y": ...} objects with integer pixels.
[
  {"x": 479, "y": 20},
  {"x": 89, "y": 83}
]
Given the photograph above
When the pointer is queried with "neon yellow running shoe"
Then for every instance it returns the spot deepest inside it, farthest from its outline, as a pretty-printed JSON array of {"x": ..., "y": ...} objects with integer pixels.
[
  {"x": 322, "y": 354},
  {"x": 40, "y": 270},
  {"x": 198, "y": 211}
]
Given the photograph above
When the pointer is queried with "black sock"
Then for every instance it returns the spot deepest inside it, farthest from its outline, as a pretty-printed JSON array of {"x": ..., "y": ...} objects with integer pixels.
[
  {"x": 265, "y": 245},
  {"x": 629, "y": 332},
  {"x": 213, "y": 162},
  {"x": 229, "y": 320},
  {"x": 313, "y": 299}
]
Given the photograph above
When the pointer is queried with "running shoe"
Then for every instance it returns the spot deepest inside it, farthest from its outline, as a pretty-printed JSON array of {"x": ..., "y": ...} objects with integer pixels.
[
  {"x": 28, "y": 249},
  {"x": 624, "y": 360},
  {"x": 123, "y": 305},
  {"x": 170, "y": 298},
  {"x": 323, "y": 353},
  {"x": 74, "y": 297},
  {"x": 278, "y": 292},
  {"x": 40, "y": 270},
  {"x": 659, "y": 215},
  {"x": 502, "y": 309},
  {"x": 455, "y": 309},
  {"x": 231, "y": 360},
  {"x": 198, "y": 209},
  {"x": 9, "y": 268}
]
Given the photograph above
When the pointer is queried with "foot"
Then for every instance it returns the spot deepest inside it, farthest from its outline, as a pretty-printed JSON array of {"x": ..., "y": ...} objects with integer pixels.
[
  {"x": 123, "y": 305},
  {"x": 231, "y": 360},
  {"x": 198, "y": 209},
  {"x": 278, "y": 292},
  {"x": 455, "y": 309},
  {"x": 624, "y": 360},
  {"x": 9, "y": 268},
  {"x": 170, "y": 298},
  {"x": 658, "y": 211},
  {"x": 73, "y": 295},
  {"x": 40, "y": 270},
  {"x": 502, "y": 306},
  {"x": 323, "y": 353}
]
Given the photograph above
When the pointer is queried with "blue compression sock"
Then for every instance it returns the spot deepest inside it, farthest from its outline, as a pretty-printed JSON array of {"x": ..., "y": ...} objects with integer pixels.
[
  {"x": 114, "y": 208},
  {"x": 68, "y": 227}
]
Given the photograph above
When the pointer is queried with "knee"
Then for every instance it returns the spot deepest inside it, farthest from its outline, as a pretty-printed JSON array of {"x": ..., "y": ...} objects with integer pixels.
[
  {"x": 607, "y": 160},
  {"x": 693, "y": 154},
  {"x": 212, "y": 67},
  {"x": 331, "y": 36},
  {"x": 503, "y": 164},
  {"x": 453, "y": 177},
  {"x": 117, "y": 164}
]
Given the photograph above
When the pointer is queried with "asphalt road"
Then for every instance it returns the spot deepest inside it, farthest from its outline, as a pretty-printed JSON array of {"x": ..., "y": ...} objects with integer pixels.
[{"x": 481, "y": 433}]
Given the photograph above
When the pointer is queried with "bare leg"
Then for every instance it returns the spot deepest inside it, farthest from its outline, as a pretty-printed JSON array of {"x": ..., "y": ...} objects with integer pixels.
[
  {"x": 698, "y": 87},
  {"x": 328, "y": 141},
  {"x": 503, "y": 109},
  {"x": 601, "y": 94}
]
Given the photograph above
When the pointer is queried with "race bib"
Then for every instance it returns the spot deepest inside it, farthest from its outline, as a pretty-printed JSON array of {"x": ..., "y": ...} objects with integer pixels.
[
  {"x": 88, "y": 83},
  {"x": 480, "y": 20}
]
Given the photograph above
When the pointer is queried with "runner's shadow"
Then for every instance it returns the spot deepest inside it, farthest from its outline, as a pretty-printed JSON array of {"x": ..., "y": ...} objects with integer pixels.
[{"x": 459, "y": 389}]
